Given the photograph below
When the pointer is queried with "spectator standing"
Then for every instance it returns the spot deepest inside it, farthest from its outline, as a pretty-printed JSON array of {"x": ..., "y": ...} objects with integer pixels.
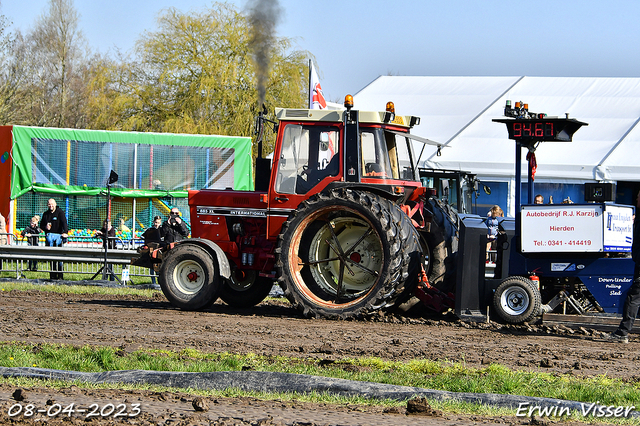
[
  {"x": 492, "y": 228},
  {"x": 174, "y": 228},
  {"x": 31, "y": 233},
  {"x": 56, "y": 231},
  {"x": 152, "y": 236},
  {"x": 632, "y": 302},
  {"x": 4, "y": 236}
]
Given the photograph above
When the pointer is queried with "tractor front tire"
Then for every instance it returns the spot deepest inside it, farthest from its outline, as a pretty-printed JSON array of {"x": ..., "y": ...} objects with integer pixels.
[
  {"x": 343, "y": 254},
  {"x": 517, "y": 300},
  {"x": 189, "y": 277}
]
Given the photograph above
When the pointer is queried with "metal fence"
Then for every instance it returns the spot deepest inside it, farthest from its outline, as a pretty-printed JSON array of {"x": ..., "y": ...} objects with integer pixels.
[{"x": 79, "y": 255}]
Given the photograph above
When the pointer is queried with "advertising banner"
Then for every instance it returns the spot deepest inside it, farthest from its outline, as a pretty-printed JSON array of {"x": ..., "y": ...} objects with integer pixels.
[
  {"x": 562, "y": 228},
  {"x": 576, "y": 228},
  {"x": 618, "y": 228}
]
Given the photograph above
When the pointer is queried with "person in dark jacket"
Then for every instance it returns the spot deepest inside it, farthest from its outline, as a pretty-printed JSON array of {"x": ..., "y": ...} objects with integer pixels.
[
  {"x": 31, "y": 233},
  {"x": 632, "y": 302},
  {"x": 54, "y": 224},
  {"x": 107, "y": 233},
  {"x": 152, "y": 235},
  {"x": 174, "y": 228}
]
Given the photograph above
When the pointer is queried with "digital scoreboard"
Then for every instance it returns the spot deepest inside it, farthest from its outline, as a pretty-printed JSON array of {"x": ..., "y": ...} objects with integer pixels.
[{"x": 541, "y": 129}]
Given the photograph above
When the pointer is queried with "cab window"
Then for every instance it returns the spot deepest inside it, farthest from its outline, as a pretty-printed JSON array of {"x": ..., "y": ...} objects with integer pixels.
[
  {"x": 374, "y": 155},
  {"x": 386, "y": 155},
  {"x": 308, "y": 155},
  {"x": 401, "y": 154}
]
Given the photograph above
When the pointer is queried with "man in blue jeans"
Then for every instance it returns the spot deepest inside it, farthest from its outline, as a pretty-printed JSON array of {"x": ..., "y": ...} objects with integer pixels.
[
  {"x": 632, "y": 302},
  {"x": 54, "y": 224}
]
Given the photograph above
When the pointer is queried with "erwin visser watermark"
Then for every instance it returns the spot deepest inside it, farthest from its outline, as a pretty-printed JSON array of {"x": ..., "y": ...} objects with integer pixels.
[{"x": 525, "y": 409}]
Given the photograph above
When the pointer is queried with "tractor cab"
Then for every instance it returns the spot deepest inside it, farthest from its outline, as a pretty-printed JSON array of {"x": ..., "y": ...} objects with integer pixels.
[{"x": 318, "y": 148}]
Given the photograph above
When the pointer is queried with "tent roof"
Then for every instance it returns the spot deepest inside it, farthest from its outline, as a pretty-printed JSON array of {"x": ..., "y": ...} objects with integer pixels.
[{"x": 458, "y": 111}]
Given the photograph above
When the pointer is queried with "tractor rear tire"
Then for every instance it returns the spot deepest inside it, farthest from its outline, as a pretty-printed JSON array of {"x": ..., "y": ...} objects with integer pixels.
[
  {"x": 189, "y": 277},
  {"x": 439, "y": 253},
  {"x": 416, "y": 257},
  {"x": 343, "y": 253},
  {"x": 245, "y": 289},
  {"x": 517, "y": 300}
]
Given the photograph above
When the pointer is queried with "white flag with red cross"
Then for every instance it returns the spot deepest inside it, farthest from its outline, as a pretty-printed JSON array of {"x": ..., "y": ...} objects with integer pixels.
[{"x": 316, "y": 97}]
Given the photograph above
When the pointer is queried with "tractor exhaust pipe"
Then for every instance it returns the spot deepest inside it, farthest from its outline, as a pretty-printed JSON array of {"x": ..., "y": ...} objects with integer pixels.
[
  {"x": 261, "y": 119},
  {"x": 259, "y": 129}
]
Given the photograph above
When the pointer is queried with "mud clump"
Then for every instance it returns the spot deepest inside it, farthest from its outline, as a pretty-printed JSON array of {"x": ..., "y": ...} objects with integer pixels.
[
  {"x": 421, "y": 407},
  {"x": 200, "y": 404},
  {"x": 19, "y": 395}
]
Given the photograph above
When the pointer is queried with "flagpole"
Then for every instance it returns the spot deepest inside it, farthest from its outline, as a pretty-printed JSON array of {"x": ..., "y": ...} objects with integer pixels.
[{"x": 310, "y": 88}]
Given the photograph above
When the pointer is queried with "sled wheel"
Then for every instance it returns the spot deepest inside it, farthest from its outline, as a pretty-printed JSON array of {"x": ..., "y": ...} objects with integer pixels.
[
  {"x": 245, "y": 288},
  {"x": 189, "y": 277},
  {"x": 517, "y": 300},
  {"x": 341, "y": 254}
]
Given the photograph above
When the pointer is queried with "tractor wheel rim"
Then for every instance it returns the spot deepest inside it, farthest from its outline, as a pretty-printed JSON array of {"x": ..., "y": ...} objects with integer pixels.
[
  {"x": 189, "y": 277},
  {"x": 347, "y": 243}
]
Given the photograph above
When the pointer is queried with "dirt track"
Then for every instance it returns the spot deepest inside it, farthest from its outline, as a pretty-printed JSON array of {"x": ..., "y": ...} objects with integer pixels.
[{"x": 276, "y": 329}]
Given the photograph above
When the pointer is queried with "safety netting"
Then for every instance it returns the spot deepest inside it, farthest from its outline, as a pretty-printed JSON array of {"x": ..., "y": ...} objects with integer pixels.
[{"x": 154, "y": 170}]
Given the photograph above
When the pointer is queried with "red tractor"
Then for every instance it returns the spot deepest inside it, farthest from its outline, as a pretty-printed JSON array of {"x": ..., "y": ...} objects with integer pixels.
[{"x": 339, "y": 218}]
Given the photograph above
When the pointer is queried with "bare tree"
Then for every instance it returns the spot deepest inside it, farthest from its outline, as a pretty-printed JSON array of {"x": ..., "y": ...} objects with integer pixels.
[
  {"x": 55, "y": 50},
  {"x": 196, "y": 74},
  {"x": 11, "y": 71}
]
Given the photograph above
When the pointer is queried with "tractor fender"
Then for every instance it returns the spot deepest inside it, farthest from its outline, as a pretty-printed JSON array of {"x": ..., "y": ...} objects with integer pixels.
[{"x": 216, "y": 252}]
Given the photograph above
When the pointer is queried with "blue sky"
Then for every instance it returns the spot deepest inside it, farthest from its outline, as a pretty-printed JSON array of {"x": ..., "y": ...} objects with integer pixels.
[{"x": 356, "y": 41}]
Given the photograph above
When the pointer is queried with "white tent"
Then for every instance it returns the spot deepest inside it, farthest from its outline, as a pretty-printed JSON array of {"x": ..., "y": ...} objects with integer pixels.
[{"x": 457, "y": 111}]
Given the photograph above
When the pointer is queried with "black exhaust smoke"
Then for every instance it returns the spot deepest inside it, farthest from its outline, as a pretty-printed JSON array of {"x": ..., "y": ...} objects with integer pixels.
[{"x": 263, "y": 17}]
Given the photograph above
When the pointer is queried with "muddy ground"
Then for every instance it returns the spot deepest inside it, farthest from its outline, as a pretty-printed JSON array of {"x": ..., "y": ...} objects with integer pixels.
[{"x": 274, "y": 328}]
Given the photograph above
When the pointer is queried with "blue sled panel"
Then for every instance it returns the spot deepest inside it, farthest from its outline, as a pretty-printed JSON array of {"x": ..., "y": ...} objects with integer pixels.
[{"x": 608, "y": 279}]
